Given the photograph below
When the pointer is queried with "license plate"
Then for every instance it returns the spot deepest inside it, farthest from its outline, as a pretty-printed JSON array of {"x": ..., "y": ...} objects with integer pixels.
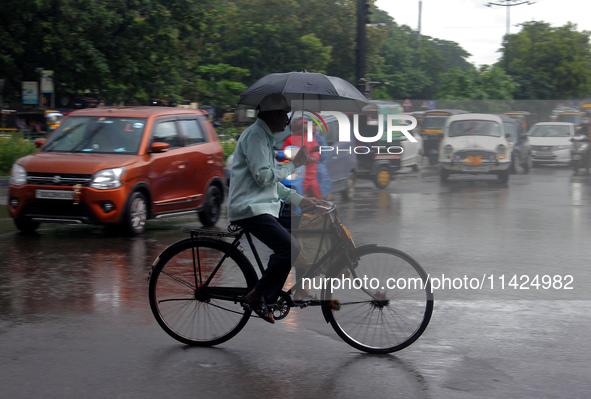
[
  {"x": 55, "y": 194},
  {"x": 576, "y": 157},
  {"x": 475, "y": 169}
]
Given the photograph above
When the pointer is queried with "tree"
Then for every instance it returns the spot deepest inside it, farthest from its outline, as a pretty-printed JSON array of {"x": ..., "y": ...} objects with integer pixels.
[
  {"x": 557, "y": 60},
  {"x": 485, "y": 83},
  {"x": 412, "y": 65},
  {"x": 119, "y": 49}
]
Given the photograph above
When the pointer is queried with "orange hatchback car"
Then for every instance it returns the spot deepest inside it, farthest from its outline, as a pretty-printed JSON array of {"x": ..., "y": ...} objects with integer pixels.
[{"x": 120, "y": 167}]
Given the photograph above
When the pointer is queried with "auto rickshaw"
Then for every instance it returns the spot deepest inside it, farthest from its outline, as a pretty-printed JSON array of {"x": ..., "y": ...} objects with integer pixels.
[
  {"x": 53, "y": 119},
  {"x": 376, "y": 160},
  {"x": 432, "y": 130},
  {"x": 523, "y": 116},
  {"x": 8, "y": 121},
  {"x": 572, "y": 117}
]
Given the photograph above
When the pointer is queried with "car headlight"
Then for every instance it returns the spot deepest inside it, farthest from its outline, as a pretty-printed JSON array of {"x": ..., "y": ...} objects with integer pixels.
[
  {"x": 501, "y": 151},
  {"x": 563, "y": 147},
  {"x": 107, "y": 179},
  {"x": 18, "y": 177}
]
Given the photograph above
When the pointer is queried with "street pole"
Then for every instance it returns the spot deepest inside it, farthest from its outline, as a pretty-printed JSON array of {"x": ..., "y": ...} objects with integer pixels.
[
  {"x": 361, "y": 43},
  {"x": 508, "y": 4}
]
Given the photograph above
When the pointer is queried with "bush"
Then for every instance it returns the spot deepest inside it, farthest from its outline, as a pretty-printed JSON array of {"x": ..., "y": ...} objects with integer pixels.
[
  {"x": 228, "y": 138},
  {"x": 12, "y": 147}
]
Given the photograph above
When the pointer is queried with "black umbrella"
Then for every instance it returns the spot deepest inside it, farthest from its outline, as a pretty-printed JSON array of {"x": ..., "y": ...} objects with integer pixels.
[{"x": 307, "y": 90}]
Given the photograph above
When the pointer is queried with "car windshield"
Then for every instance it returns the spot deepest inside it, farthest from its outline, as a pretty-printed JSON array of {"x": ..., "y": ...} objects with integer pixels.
[
  {"x": 474, "y": 128},
  {"x": 550, "y": 131},
  {"x": 434, "y": 121},
  {"x": 99, "y": 134}
]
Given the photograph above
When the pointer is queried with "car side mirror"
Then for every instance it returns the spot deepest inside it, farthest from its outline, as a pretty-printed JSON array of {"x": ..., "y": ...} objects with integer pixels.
[
  {"x": 39, "y": 142},
  {"x": 159, "y": 146}
]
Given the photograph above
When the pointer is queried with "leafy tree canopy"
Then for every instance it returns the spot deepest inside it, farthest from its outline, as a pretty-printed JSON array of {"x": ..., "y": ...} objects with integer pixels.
[{"x": 548, "y": 62}]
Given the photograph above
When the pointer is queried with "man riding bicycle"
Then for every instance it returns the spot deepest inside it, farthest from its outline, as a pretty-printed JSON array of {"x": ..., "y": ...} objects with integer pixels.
[{"x": 255, "y": 196}]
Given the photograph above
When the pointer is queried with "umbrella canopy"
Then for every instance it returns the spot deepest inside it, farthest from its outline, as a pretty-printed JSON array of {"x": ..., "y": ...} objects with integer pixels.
[{"x": 307, "y": 90}]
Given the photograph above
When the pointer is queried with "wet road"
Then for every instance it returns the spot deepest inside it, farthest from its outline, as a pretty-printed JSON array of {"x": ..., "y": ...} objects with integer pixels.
[{"x": 75, "y": 320}]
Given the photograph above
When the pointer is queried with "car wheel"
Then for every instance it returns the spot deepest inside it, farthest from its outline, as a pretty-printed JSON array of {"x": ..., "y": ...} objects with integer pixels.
[
  {"x": 135, "y": 215},
  {"x": 210, "y": 212},
  {"x": 383, "y": 177},
  {"x": 26, "y": 225},
  {"x": 443, "y": 175},
  {"x": 527, "y": 164},
  {"x": 349, "y": 192}
]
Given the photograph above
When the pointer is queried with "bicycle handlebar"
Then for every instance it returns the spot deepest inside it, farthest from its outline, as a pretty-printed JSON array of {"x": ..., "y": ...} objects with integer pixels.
[{"x": 320, "y": 206}]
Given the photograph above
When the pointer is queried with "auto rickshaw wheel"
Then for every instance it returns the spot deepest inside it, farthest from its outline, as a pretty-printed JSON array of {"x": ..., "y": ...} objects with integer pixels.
[{"x": 383, "y": 177}]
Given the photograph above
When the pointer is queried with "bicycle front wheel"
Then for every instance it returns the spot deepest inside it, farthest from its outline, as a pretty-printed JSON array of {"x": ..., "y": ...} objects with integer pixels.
[
  {"x": 195, "y": 290},
  {"x": 383, "y": 304}
]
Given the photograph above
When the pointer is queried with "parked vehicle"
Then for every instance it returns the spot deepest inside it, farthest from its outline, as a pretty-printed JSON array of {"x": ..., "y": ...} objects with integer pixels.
[
  {"x": 119, "y": 167},
  {"x": 551, "y": 142},
  {"x": 432, "y": 130},
  {"x": 519, "y": 143},
  {"x": 475, "y": 144},
  {"x": 580, "y": 153}
]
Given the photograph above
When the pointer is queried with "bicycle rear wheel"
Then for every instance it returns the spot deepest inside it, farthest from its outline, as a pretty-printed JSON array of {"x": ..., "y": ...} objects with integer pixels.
[
  {"x": 195, "y": 290},
  {"x": 383, "y": 305}
]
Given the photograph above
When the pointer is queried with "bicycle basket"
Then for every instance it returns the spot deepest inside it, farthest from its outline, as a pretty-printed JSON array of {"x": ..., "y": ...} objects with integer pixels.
[{"x": 314, "y": 238}]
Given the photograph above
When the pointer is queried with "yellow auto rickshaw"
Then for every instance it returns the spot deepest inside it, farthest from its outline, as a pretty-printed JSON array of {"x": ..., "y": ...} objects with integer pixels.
[{"x": 523, "y": 116}]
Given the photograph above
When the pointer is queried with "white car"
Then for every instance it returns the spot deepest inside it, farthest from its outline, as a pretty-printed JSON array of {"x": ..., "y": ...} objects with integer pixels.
[
  {"x": 412, "y": 154},
  {"x": 475, "y": 144},
  {"x": 551, "y": 142}
]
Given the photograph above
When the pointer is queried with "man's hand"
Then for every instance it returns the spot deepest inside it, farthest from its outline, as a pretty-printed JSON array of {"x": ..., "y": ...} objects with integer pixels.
[
  {"x": 308, "y": 202},
  {"x": 301, "y": 158}
]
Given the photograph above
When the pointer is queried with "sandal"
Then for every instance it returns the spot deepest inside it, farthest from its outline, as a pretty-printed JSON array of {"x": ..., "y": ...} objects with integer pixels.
[{"x": 261, "y": 309}]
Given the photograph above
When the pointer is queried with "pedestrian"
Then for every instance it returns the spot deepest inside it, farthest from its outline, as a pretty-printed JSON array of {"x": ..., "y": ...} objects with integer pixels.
[
  {"x": 256, "y": 195},
  {"x": 324, "y": 180},
  {"x": 310, "y": 185}
]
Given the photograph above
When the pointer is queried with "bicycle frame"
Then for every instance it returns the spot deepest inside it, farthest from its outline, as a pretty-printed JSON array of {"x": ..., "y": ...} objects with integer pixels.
[{"x": 342, "y": 247}]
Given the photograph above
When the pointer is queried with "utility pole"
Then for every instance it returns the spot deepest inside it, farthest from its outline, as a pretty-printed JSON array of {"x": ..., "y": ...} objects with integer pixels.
[
  {"x": 420, "y": 15},
  {"x": 363, "y": 12},
  {"x": 508, "y": 4}
]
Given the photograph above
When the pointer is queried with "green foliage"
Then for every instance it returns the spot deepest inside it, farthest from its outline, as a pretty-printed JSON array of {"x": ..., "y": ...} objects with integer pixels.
[
  {"x": 548, "y": 62},
  {"x": 411, "y": 65},
  {"x": 12, "y": 147},
  {"x": 208, "y": 51},
  {"x": 478, "y": 85}
]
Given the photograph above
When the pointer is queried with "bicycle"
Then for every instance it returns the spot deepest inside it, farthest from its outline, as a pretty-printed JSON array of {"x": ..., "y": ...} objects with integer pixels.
[{"x": 197, "y": 287}]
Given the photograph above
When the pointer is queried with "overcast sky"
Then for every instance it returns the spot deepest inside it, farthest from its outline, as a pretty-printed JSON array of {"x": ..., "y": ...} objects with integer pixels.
[{"x": 480, "y": 29}]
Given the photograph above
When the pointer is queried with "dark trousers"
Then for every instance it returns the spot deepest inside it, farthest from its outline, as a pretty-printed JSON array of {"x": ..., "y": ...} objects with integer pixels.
[{"x": 268, "y": 230}]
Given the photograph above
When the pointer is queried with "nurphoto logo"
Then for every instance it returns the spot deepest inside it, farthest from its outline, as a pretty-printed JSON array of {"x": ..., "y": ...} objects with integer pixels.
[{"x": 395, "y": 123}]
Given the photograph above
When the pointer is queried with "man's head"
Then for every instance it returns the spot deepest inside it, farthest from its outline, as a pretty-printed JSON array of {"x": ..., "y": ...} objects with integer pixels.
[{"x": 273, "y": 110}]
